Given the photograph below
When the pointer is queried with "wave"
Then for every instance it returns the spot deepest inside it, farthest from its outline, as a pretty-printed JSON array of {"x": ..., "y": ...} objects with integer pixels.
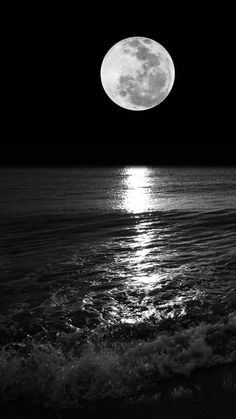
[{"x": 74, "y": 369}]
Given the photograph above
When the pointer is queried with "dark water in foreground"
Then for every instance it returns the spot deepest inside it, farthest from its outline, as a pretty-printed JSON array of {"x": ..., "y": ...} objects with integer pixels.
[{"x": 135, "y": 251}]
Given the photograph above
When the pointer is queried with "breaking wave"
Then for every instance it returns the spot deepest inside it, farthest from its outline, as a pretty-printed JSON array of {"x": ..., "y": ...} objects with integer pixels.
[{"x": 74, "y": 369}]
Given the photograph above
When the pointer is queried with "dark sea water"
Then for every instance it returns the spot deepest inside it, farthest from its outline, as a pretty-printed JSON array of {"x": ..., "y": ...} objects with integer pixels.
[
  {"x": 84, "y": 246},
  {"x": 86, "y": 249}
]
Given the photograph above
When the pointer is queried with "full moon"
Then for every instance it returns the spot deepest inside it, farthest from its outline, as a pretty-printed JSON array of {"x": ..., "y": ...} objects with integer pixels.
[{"x": 137, "y": 73}]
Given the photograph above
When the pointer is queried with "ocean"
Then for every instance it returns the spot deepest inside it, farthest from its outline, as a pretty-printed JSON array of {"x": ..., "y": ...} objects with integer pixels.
[{"x": 130, "y": 255}]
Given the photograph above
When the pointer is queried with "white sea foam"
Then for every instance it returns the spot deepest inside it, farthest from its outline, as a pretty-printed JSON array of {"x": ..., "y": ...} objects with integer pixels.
[{"x": 62, "y": 377}]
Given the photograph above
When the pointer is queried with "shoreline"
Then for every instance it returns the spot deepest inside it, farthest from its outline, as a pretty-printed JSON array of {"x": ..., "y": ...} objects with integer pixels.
[{"x": 206, "y": 393}]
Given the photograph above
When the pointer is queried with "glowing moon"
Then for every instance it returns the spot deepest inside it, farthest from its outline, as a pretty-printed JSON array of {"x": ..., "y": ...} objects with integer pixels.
[{"x": 137, "y": 73}]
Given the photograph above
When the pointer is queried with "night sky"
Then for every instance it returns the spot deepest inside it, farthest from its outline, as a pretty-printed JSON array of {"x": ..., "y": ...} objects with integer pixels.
[{"x": 56, "y": 112}]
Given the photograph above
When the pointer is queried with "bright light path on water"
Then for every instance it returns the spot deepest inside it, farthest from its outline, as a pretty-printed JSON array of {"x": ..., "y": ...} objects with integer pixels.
[
  {"x": 138, "y": 199},
  {"x": 137, "y": 194}
]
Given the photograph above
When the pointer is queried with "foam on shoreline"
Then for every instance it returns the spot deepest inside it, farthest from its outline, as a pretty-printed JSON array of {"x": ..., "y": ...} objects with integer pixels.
[{"x": 68, "y": 372}]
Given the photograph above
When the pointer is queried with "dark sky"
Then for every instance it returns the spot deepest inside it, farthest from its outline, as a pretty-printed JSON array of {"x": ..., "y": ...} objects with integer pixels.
[{"x": 56, "y": 112}]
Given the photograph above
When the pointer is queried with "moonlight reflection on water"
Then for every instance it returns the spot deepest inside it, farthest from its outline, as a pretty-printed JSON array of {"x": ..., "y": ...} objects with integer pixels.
[
  {"x": 137, "y": 195},
  {"x": 147, "y": 274},
  {"x": 137, "y": 200}
]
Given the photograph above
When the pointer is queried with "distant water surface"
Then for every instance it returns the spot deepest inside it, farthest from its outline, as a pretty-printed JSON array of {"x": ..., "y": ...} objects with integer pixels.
[{"x": 91, "y": 246}]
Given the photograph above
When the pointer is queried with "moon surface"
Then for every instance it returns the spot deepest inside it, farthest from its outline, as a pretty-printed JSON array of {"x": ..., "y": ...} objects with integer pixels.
[{"x": 137, "y": 73}]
